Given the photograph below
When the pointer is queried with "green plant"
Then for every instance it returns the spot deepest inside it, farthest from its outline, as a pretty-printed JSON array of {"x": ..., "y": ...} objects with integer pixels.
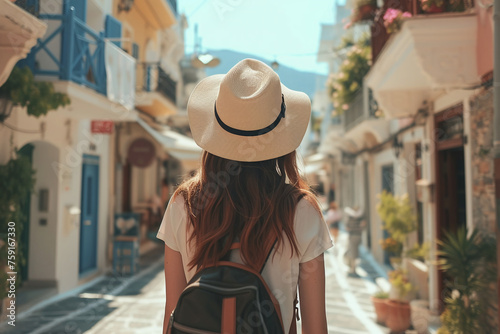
[
  {"x": 397, "y": 215},
  {"x": 399, "y": 280},
  {"x": 347, "y": 82},
  {"x": 381, "y": 294},
  {"x": 38, "y": 97},
  {"x": 470, "y": 263},
  {"x": 16, "y": 181},
  {"x": 419, "y": 252}
]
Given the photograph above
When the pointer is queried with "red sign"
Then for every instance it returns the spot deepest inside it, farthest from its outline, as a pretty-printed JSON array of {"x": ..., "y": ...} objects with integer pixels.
[
  {"x": 141, "y": 153},
  {"x": 102, "y": 127}
]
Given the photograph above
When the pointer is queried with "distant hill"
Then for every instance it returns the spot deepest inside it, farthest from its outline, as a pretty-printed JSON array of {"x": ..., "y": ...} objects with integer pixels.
[{"x": 306, "y": 82}]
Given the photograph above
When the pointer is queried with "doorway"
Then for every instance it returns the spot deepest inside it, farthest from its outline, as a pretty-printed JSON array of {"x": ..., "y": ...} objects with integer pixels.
[
  {"x": 450, "y": 178},
  {"x": 89, "y": 213}
]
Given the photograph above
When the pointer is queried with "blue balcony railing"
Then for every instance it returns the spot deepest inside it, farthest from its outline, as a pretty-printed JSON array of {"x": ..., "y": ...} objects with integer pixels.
[
  {"x": 81, "y": 55},
  {"x": 156, "y": 79},
  {"x": 173, "y": 5}
]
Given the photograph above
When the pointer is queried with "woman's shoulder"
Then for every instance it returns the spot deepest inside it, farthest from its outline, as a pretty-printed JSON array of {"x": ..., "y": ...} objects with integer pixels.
[
  {"x": 177, "y": 204},
  {"x": 307, "y": 208}
]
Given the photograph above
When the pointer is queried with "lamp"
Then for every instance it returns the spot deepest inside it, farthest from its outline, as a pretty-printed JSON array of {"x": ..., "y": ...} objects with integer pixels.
[
  {"x": 125, "y": 5},
  {"x": 204, "y": 60},
  {"x": 397, "y": 146}
]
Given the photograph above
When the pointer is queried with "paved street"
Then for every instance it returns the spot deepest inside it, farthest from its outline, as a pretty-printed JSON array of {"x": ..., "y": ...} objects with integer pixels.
[{"x": 135, "y": 305}]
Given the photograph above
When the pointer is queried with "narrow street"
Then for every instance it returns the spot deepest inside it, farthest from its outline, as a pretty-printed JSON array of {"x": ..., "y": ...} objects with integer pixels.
[{"x": 135, "y": 305}]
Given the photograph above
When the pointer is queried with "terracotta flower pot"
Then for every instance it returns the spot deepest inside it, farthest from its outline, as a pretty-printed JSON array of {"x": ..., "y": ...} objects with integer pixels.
[
  {"x": 398, "y": 315},
  {"x": 380, "y": 306}
]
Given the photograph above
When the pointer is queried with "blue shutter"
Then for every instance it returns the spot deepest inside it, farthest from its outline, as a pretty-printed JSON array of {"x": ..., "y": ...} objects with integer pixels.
[{"x": 113, "y": 29}]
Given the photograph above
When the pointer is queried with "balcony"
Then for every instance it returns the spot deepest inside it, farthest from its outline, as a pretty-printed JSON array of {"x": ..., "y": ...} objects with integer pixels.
[
  {"x": 20, "y": 31},
  {"x": 362, "y": 126},
  {"x": 378, "y": 32},
  {"x": 430, "y": 53},
  {"x": 80, "y": 62},
  {"x": 157, "y": 90}
]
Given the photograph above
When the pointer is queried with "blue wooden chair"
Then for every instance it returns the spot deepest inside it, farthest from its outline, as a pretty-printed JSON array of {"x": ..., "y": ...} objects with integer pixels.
[{"x": 126, "y": 242}]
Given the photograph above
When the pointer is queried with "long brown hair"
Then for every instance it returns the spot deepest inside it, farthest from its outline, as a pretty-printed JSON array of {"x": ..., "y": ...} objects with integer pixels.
[{"x": 252, "y": 201}]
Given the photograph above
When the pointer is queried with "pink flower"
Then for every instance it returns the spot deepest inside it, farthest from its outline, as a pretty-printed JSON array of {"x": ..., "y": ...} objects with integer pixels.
[{"x": 406, "y": 14}]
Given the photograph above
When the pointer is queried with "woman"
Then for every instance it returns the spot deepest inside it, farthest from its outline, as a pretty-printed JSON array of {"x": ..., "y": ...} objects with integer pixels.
[
  {"x": 333, "y": 217},
  {"x": 248, "y": 189},
  {"x": 355, "y": 225}
]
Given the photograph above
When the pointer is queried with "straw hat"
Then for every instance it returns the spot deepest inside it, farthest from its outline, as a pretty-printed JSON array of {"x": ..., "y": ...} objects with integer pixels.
[{"x": 247, "y": 114}]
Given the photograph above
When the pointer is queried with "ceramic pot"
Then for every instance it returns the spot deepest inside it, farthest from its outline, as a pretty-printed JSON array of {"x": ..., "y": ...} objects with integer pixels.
[
  {"x": 380, "y": 309},
  {"x": 398, "y": 315}
]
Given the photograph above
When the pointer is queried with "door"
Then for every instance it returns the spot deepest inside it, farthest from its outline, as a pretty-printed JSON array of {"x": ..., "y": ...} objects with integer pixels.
[
  {"x": 89, "y": 213},
  {"x": 27, "y": 152},
  {"x": 451, "y": 184},
  {"x": 387, "y": 185}
]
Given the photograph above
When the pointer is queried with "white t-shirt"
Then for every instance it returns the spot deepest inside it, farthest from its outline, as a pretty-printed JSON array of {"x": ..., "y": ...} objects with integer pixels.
[{"x": 281, "y": 271}]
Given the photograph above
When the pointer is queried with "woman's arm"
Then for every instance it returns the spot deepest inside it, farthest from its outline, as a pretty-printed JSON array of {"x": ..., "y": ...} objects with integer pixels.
[
  {"x": 312, "y": 296},
  {"x": 175, "y": 282}
]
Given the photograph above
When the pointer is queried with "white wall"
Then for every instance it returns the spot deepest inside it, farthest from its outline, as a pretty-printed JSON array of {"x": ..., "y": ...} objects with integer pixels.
[
  {"x": 69, "y": 240},
  {"x": 63, "y": 142},
  {"x": 42, "y": 238}
]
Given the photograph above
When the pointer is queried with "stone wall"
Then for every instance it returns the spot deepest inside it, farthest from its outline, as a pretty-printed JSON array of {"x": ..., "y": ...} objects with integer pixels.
[
  {"x": 481, "y": 141},
  {"x": 483, "y": 181}
]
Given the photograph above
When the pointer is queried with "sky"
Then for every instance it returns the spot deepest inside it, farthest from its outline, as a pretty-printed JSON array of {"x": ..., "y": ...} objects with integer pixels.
[{"x": 284, "y": 30}]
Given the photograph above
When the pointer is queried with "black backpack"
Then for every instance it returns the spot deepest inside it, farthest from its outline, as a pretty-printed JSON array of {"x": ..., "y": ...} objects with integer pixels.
[{"x": 227, "y": 298}]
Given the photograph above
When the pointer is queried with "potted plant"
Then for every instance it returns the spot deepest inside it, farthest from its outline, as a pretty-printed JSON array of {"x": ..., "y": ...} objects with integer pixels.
[
  {"x": 398, "y": 306},
  {"x": 470, "y": 263},
  {"x": 393, "y": 18},
  {"x": 432, "y": 6},
  {"x": 379, "y": 304},
  {"x": 394, "y": 248},
  {"x": 397, "y": 215}
]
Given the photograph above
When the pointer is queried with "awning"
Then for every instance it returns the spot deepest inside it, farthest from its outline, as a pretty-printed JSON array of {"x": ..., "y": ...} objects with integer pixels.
[{"x": 179, "y": 146}]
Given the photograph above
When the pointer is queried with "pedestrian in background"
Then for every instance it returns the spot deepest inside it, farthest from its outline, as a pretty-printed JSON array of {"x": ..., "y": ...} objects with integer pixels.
[
  {"x": 248, "y": 190},
  {"x": 333, "y": 218},
  {"x": 354, "y": 225}
]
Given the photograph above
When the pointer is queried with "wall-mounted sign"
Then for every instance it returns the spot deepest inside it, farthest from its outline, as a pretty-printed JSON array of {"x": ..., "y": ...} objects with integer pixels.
[
  {"x": 141, "y": 153},
  {"x": 101, "y": 127}
]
